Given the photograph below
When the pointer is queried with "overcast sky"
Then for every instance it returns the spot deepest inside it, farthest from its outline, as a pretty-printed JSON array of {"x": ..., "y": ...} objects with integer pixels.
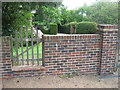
[{"x": 74, "y": 4}]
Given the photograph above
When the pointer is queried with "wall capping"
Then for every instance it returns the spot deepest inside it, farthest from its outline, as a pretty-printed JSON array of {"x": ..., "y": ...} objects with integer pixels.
[
  {"x": 74, "y": 35},
  {"x": 108, "y": 30}
]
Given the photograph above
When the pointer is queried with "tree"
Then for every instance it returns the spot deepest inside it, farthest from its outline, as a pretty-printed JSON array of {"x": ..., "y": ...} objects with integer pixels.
[
  {"x": 51, "y": 15},
  {"x": 101, "y": 12},
  {"x": 15, "y": 15},
  {"x": 70, "y": 15},
  {"x": 47, "y": 12}
]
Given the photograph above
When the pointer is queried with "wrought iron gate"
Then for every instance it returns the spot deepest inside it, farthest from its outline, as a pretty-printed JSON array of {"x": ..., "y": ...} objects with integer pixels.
[{"x": 27, "y": 47}]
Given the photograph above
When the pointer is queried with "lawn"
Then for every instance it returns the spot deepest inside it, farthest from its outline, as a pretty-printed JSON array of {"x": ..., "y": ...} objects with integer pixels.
[{"x": 29, "y": 54}]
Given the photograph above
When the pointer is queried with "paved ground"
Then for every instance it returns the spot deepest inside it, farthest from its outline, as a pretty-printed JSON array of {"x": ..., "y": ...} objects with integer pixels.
[{"x": 82, "y": 81}]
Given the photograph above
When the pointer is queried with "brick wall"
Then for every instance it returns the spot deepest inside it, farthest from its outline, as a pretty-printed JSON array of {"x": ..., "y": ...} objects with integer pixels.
[
  {"x": 66, "y": 54},
  {"x": 85, "y": 53},
  {"x": 5, "y": 57},
  {"x": 109, "y": 47}
]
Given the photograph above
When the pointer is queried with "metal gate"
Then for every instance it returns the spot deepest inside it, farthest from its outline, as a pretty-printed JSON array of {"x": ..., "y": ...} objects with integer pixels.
[{"x": 27, "y": 46}]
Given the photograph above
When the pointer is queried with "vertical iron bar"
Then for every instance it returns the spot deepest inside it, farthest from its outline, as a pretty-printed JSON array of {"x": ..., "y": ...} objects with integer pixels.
[
  {"x": 32, "y": 45},
  {"x": 16, "y": 37},
  {"x": 12, "y": 51},
  {"x": 27, "y": 44},
  {"x": 37, "y": 47},
  {"x": 43, "y": 63},
  {"x": 21, "y": 34}
]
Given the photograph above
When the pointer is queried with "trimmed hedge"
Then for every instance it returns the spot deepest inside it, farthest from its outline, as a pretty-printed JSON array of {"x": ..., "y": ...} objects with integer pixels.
[
  {"x": 66, "y": 27},
  {"x": 53, "y": 28},
  {"x": 86, "y": 28},
  {"x": 45, "y": 30}
]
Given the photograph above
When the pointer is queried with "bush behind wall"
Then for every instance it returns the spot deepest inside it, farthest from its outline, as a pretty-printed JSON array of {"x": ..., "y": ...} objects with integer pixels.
[
  {"x": 81, "y": 27},
  {"x": 53, "y": 28},
  {"x": 66, "y": 27},
  {"x": 86, "y": 28}
]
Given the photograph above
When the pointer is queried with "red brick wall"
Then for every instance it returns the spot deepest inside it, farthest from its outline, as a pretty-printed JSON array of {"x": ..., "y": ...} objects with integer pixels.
[
  {"x": 5, "y": 57},
  {"x": 109, "y": 46},
  {"x": 85, "y": 53},
  {"x": 66, "y": 54}
]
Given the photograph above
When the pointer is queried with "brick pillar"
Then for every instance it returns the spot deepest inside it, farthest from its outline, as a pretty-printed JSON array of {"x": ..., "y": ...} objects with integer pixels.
[
  {"x": 5, "y": 58},
  {"x": 108, "y": 49}
]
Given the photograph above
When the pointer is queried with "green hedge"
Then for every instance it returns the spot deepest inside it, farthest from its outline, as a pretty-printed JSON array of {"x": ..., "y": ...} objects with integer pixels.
[
  {"x": 86, "y": 28},
  {"x": 45, "y": 30},
  {"x": 43, "y": 27},
  {"x": 53, "y": 28},
  {"x": 66, "y": 27}
]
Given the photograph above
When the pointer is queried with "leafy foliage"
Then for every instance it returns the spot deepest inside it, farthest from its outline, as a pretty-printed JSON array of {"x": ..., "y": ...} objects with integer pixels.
[
  {"x": 86, "y": 28},
  {"x": 45, "y": 29},
  {"x": 47, "y": 12},
  {"x": 15, "y": 15},
  {"x": 51, "y": 15},
  {"x": 70, "y": 15},
  {"x": 66, "y": 27},
  {"x": 53, "y": 28},
  {"x": 101, "y": 12},
  {"x": 81, "y": 27}
]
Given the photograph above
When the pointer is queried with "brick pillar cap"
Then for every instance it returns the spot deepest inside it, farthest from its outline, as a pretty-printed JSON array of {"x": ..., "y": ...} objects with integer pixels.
[{"x": 107, "y": 26}]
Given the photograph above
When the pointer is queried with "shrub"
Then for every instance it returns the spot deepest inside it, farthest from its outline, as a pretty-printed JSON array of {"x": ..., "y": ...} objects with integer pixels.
[
  {"x": 45, "y": 30},
  {"x": 73, "y": 23},
  {"x": 66, "y": 27},
  {"x": 86, "y": 28},
  {"x": 42, "y": 27},
  {"x": 53, "y": 28}
]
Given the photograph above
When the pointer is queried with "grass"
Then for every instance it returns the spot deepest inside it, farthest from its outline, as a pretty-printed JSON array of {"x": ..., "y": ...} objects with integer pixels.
[
  {"x": 29, "y": 54},
  {"x": 25, "y": 63}
]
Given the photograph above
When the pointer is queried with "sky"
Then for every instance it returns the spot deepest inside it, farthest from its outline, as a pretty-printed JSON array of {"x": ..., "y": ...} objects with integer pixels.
[{"x": 74, "y": 4}]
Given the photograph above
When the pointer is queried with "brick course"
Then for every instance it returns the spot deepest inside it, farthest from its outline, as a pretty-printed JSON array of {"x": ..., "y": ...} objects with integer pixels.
[
  {"x": 85, "y": 53},
  {"x": 109, "y": 46},
  {"x": 75, "y": 52},
  {"x": 5, "y": 60}
]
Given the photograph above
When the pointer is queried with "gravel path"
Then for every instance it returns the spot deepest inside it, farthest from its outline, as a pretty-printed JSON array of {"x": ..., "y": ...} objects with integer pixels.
[{"x": 82, "y": 81}]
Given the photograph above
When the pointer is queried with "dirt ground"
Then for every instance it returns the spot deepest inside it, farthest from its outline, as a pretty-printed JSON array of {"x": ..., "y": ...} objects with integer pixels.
[{"x": 83, "y": 81}]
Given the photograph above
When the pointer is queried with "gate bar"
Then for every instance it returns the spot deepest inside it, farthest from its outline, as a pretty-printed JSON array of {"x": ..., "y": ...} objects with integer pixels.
[
  {"x": 43, "y": 63},
  {"x": 37, "y": 48},
  {"x": 21, "y": 35},
  {"x": 32, "y": 46},
  {"x": 16, "y": 35},
  {"x": 27, "y": 44}
]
